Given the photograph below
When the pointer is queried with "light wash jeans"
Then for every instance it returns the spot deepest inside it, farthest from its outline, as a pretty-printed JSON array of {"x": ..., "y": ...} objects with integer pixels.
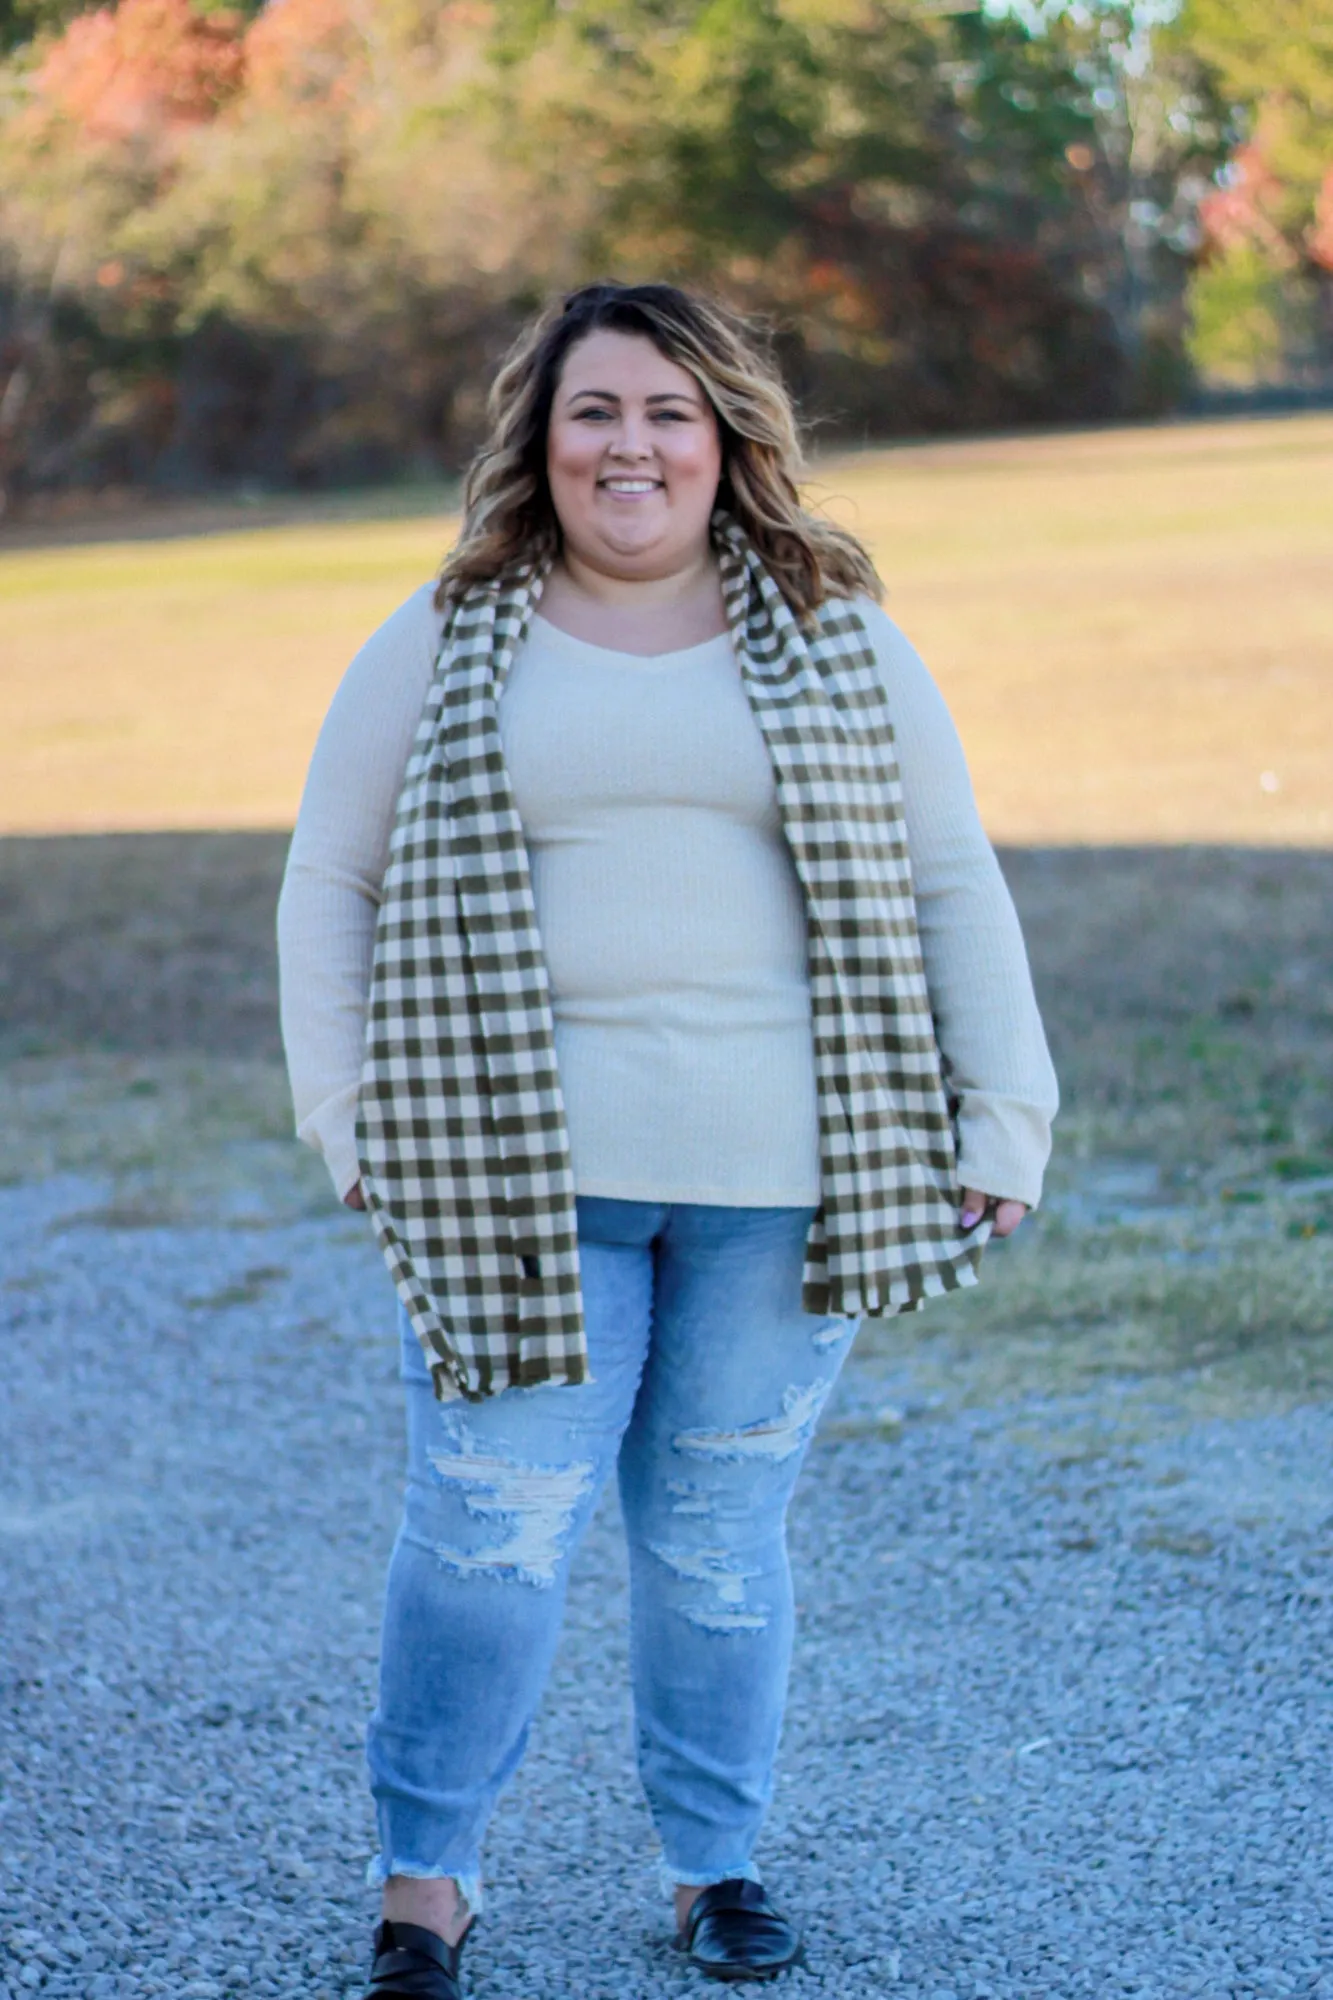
[{"x": 707, "y": 1382}]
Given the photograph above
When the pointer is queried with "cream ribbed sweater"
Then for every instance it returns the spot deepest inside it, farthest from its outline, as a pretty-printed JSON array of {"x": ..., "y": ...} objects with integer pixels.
[{"x": 671, "y": 917}]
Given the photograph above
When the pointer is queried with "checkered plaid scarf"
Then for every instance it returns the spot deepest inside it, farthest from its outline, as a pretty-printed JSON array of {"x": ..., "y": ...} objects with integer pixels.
[{"x": 462, "y": 1139}]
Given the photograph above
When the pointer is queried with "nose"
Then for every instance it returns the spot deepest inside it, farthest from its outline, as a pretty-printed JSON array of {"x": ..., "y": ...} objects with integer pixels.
[{"x": 633, "y": 440}]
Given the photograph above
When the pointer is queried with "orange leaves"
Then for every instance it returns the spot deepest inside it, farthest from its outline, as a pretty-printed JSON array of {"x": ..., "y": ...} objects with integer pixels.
[
  {"x": 1320, "y": 240},
  {"x": 1252, "y": 211},
  {"x": 145, "y": 71},
  {"x": 1240, "y": 213},
  {"x": 304, "y": 51},
  {"x": 148, "y": 71}
]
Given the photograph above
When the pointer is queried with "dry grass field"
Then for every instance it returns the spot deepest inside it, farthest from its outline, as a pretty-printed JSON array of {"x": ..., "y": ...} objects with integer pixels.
[{"x": 1134, "y": 629}]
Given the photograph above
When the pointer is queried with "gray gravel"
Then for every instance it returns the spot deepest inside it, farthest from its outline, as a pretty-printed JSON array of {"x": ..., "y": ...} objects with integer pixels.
[{"x": 1058, "y": 1726}]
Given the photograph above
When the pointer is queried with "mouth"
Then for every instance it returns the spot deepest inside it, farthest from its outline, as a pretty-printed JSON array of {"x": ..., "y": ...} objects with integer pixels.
[{"x": 627, "y": 488}]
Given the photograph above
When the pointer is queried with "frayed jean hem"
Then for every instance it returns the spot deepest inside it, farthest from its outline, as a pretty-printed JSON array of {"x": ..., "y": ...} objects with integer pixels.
[
  {"x": 378, "y": 1872},
  {"x": 670, "y": 1879}
]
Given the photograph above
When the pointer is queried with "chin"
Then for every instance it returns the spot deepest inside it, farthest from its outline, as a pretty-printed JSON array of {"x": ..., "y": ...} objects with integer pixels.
[
  {"x": 635, "y": 534},
  {"x": 631, "y": 547}
]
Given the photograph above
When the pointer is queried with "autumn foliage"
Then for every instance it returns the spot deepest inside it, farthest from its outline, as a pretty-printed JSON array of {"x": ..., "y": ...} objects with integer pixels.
[
  {"x": 142, "y": 71},
  {"x": 287, "y": 242}
]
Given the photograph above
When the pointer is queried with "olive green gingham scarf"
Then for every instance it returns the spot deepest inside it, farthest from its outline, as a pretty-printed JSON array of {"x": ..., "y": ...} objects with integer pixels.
[{"x": 461, "y": 1133}]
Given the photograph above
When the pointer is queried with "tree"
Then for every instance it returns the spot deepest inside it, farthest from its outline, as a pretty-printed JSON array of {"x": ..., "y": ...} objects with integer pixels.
[
  {"x": 23, "y": 20},
  {"x": 1159, "y": 128},
  {"x": 894, "y": 183},
  {"x": 1263, "y": 298},
  {"x": 292, "y": 246},
  {"x": 1274, "y": 58}
]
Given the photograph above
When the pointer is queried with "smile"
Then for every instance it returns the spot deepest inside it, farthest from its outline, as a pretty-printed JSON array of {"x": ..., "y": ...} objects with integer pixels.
[{"x": 631, "y": 487}]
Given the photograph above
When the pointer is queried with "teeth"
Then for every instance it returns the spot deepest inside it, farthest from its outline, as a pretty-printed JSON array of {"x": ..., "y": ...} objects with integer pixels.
[{"x": 631, "y": 485}]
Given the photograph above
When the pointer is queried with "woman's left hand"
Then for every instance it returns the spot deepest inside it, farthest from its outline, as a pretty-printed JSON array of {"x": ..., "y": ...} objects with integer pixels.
[{"x": 1006, "y": 1215}]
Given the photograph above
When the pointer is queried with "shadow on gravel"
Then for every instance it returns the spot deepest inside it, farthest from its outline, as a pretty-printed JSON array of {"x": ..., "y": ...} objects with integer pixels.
[
  {"x": 1185, "y": 1242},
  {"x": 162, "y": 943},
  {"x": 1058, "y": 1723},
  {"x": 140, "y": 944}
]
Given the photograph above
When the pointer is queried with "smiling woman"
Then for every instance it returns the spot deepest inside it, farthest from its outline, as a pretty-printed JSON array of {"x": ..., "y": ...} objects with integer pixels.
[
  {"x": 633, "y": 460},
  {"x": 650, "y": 360},
  {"x": 649, "y": 978}
]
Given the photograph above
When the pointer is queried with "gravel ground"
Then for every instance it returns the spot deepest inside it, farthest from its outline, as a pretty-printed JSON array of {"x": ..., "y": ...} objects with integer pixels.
[{"x": 1060, "y": 1722}]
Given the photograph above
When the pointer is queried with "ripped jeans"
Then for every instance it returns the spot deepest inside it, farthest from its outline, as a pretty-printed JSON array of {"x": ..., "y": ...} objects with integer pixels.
[{"x": 707, "y": 1382}]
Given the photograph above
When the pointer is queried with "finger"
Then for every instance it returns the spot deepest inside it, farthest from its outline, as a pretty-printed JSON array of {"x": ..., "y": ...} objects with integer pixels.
[
  {"x": 974, "y": 1207},
  {"x": 1006, "y": 1215},
  {"x": 354, "y": 1197}
]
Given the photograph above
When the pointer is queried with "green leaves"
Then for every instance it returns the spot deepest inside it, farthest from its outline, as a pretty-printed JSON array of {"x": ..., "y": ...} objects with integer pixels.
[
  {"x": 1274, "y": 59},
  {"x": 935, "y": 203},
  {"x": 21, "y": 20}
]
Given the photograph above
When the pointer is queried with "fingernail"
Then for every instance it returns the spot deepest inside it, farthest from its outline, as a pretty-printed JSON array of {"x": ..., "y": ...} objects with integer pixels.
[{"x": 971, "y": 1216}]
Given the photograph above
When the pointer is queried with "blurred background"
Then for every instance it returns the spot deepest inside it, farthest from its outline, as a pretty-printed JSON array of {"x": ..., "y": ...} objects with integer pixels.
[
  {"x": 281, "y": 245},
  {"x": 1054, "y": 287}
]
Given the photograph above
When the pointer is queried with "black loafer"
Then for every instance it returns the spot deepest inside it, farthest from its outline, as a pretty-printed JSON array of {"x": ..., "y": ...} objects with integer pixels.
[
  {"x": 412, "y": 1963},
  {"x": 734, "y": 1933}
]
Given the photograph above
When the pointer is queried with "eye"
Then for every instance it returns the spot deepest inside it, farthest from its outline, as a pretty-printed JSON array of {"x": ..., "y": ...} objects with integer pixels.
[{"x": 592, "y": 414}]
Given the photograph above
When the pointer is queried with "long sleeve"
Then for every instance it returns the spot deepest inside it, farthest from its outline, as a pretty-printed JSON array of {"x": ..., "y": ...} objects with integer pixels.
[
  {"x": 976, "y": 965},
  {"x": 331, "y": 890}
]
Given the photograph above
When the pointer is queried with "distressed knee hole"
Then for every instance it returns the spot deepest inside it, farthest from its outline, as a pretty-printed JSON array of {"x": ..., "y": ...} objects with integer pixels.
[
  {"x": 532, "y": 1506},
  {"x": 772, "y": 1437},
  {"x": 722, "y": 1620},
  {"x": 832, "y": 1333},
  {"x": 687, "y": 1499},
  {"x": 727, "y": 1578}
]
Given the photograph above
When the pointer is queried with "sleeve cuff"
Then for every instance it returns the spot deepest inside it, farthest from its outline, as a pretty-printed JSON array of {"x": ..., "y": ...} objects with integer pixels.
[
  {"x": 1003, "y": 1146},
  {"x": 331, "y": 1131}
]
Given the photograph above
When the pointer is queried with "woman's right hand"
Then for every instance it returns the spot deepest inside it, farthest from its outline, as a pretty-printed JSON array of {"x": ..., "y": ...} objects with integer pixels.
[
  {"x": 1005, "y": 1215},
  {"x": 354, "y": 1197}
]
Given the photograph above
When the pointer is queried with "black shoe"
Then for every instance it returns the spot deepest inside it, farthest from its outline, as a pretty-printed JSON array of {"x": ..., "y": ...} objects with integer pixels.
[
  {"x": 733, "y": 1932},
  {"x": 412, "y": 1963}
]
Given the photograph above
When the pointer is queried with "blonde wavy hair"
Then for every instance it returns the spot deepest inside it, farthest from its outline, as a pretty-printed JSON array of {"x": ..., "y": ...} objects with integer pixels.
[{"x": 508, "y": 517}]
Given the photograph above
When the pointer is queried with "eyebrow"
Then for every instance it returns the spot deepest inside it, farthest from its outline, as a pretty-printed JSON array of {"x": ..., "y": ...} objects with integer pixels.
[{"x": 663, "y": 395}]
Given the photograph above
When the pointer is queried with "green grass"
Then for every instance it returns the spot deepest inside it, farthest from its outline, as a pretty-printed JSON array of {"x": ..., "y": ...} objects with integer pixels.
[
  {"x": 1182, "y": 1263},
  {"x": 166, "y": 1141},
  {"x": 1185, "y": 1317},
  {"x": 1182, "y": 1266}
]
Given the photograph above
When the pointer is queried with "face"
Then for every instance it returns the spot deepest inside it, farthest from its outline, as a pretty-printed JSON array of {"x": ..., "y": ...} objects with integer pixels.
[{"x": 633, "y": 457}]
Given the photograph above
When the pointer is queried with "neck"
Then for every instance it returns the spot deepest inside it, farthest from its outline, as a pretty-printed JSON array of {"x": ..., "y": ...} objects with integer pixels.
[{"x": 676, "y": 586}]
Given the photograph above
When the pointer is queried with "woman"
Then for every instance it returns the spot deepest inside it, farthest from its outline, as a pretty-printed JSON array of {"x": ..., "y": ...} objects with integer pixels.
[{"x": 648, "y": 976}]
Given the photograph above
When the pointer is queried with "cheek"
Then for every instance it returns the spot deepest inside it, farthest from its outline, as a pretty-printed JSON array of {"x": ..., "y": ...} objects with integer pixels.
[
  {"x": 572, "y": 451},
  {"x": 695, "y": 456}
]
